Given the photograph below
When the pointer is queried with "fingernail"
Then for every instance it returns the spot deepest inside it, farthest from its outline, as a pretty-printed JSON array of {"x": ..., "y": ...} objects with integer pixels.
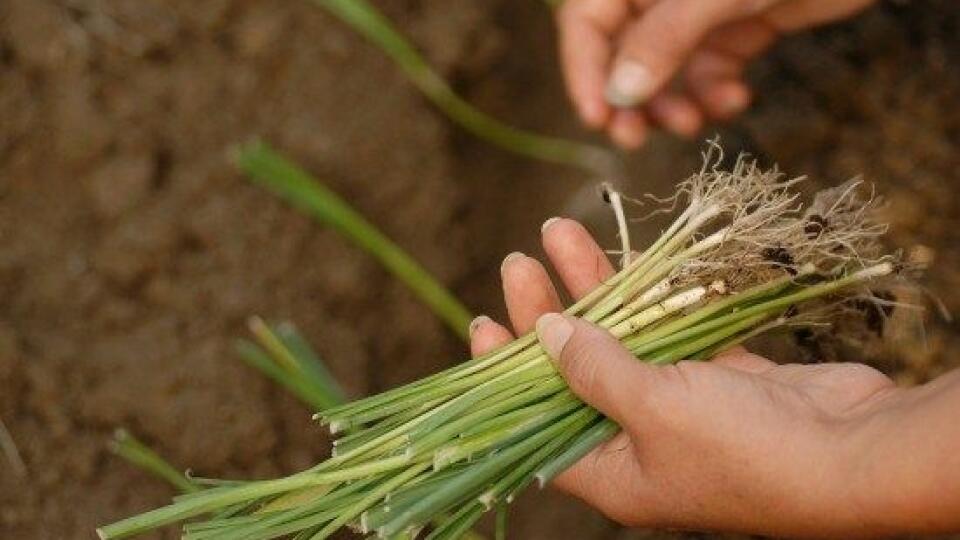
[
  {"x": 630, "y": 84},
  {"x": 735, "y": 105},
  {"x": 506, "y": 260},
  {"x": 735, "y": 102},
  {"x": 627, "y": 138},
  {"x": 554, "y": 330},
  {"x": 476, "y": 322},
  {"x": 592, "y": 113},
  {"x": 546, "y": 224}
]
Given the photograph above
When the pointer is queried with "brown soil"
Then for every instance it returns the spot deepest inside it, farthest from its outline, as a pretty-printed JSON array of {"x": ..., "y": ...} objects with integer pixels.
[{"x": 131, "y": 251}]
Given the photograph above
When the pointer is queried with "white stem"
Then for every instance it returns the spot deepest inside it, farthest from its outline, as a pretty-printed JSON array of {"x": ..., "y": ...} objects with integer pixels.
[
  {"x": 709, "y": 242},
  {"x": 669, "y": 306},
  {"x": 654, "y": 294},
  {"x": 685, "y": 299},
  {"x": 655, "y": 258},
  {"x": 616, "y": 202},
  {"x": 875, "y": 271},
  {"x": 668, "y": 264}
]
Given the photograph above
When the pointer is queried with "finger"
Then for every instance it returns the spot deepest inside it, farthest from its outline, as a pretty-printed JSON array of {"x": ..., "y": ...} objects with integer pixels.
[
  {"x": 586, "y": 28},
  {"x": 527, "y": 290},
  {"x": 799, "y": 14},
  {"x": 708, "y": 64},
  {"x": 487, "y": 335},
  {"x": 724, "y": 100},
  {"x": 744, "y": 39},
  {"x": 715, "y": 80},
  {"x": 628, "y": 129},
  {"x": 575, "y": 255},
  {"x": 655, "y": 47},
  {"x": 597, "y": 368},
  {"x": 676, "y": 113},
  {"x": 743, "y": 360}
]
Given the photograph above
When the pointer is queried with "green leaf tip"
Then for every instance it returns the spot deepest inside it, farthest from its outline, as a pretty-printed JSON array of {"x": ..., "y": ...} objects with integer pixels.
[{"x": 275, "y": 173}]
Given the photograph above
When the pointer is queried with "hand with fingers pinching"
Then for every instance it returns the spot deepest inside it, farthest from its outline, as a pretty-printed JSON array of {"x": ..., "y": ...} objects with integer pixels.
[
  {"x": 630, "y": 65},
  {"x": 739, "y": 444}
]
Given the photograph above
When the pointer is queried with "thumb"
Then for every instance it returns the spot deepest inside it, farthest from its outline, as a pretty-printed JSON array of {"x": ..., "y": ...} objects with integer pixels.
[
  {"x": 654, "y": 48},
  {"x": 596, "y": 366}
]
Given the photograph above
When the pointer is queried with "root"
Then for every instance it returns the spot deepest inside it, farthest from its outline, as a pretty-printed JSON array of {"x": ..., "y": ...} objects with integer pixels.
[
  {"x": 767, "y": 230},
  {"x": 615, "y": 200}
]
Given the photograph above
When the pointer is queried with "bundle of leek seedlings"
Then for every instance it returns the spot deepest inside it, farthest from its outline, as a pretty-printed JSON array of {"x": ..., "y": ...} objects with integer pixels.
[{"x": 742, "y": 257}]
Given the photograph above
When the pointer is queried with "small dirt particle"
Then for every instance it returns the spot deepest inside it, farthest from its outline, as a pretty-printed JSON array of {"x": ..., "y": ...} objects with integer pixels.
[
  {"x": 780, "y": 257},
  {"x": 815, "y": 226},
  {"x": 121, "y": 183}
]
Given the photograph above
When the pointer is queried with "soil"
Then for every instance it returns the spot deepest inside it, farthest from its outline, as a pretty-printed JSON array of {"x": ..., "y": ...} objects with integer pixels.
[{"x": 132, "y": 251}]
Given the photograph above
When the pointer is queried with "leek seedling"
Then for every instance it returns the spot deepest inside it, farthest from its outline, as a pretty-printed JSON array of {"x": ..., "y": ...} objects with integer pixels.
[
  {"x": 283, "y": 355},
  {"x": 280, "y": 353},
  {"x": 501, "y": 526},
  {"x": 365, "y": 19},
  {"x": 269, "y": 169},
  {"x": 131, "y": 449},
  {"x": 741, "y": 257}
]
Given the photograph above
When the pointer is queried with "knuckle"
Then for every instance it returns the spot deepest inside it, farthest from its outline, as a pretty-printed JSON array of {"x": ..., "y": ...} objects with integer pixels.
[
  {"x": 666, "y": 400},
  {"x": 583, "y": 363},
  {"x": 672, "y": 42}
]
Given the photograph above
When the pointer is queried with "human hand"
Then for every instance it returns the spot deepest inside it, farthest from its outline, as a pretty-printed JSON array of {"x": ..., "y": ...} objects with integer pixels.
[
  {"x": 620, "y": 56},
  {"x": 738, "y": 444}
]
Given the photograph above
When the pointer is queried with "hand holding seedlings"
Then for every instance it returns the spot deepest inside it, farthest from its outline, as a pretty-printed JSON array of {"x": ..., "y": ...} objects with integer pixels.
[
  {"x": 738, "y": 444},
  {"x": 620, "y": 58},
  {"x": 742, "y": 256}
]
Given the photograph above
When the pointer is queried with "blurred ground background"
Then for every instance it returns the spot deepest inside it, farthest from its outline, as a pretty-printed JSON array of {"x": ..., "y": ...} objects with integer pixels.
[{"x": 131, "y": 251}]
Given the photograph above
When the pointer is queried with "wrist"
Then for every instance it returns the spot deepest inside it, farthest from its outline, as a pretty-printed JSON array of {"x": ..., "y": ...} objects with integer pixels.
[
  {"x": 838, "y": 484},
  {"x": 834, "y": 492},
  {"x": 883, "y": 491},
  {"x": 824, "y": 489}
]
